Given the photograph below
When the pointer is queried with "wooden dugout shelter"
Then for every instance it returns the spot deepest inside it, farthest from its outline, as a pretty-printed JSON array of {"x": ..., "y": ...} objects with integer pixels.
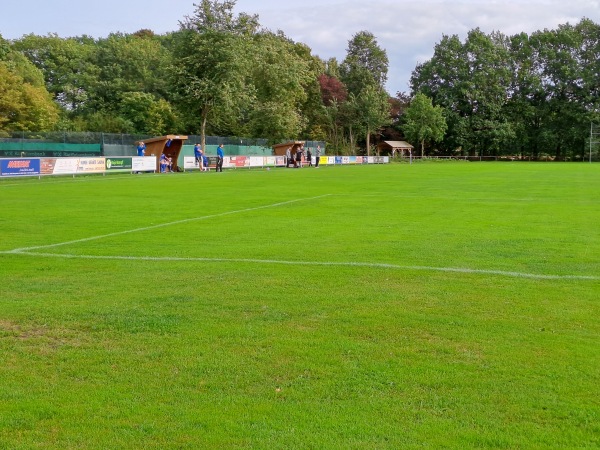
[
  {"x": 169, "y": 145},
  {"x": 280, "y": 149},
  {"x": 394, "y": 148}
]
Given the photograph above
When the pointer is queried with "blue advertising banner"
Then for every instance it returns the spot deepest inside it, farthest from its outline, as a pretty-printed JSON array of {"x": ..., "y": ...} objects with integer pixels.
[
  {"x": 338, "y": 159},
  {"x": 16, "y": 167}
]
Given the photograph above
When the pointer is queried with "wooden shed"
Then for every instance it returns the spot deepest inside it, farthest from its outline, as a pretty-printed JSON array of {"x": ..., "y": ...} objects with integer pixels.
[
  {"x": 280, "y": 149},
  {"x": 394, "y": 148},
  {"x": 170, "y": 145}
]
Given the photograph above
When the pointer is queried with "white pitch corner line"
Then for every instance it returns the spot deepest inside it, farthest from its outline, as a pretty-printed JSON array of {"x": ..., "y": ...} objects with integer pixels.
[
  {"x": 160, "y": 225},
  {"x": 316, "y": 263}
]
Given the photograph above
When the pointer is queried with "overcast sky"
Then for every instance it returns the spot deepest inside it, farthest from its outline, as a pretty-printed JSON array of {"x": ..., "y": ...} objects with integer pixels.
[{"x": 406, "y": 29}]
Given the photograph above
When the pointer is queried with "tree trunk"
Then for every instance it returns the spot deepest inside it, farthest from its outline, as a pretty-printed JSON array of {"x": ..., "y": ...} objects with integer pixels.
[
  {"x": 422, "y": 148},
  {"x": 368, "y": 143},
  {"x": 558, "y": 153},
  {"x": 203, "y": 131}
]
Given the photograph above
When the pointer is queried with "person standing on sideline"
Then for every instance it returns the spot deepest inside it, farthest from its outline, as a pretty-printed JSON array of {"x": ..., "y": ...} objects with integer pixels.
[
  {"x": 317, "y": 156},
  {"x": 220, "y": 156},
  {"x": 141, "y": 150},
  {"x": 288, "y": 156},
  {"x": 309, "y": 157},
  {"x": 198, "y": 156},
  {"x": 299, "y": 157}
]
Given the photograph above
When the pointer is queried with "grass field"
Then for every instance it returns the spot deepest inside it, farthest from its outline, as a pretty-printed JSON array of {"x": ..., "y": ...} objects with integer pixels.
[{"x": 436, "y": 305}]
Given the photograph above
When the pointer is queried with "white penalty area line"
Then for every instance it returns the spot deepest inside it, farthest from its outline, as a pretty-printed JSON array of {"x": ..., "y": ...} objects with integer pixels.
[
  {"x": 167, "y": 224},
  {"x": 533, "y": 276}
]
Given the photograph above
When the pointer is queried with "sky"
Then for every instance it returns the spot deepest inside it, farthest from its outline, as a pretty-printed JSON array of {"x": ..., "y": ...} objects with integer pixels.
[{"x": 407, "y": 30}]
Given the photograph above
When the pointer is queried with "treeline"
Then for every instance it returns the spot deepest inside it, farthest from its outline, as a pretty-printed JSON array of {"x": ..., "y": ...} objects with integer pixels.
[
  {"x": 528, "y": 95},
  {"x": 222, "y": 74}
]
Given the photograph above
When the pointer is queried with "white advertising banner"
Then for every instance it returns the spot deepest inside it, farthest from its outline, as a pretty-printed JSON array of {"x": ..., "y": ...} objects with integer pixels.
[
  {"x": 64, "y": 166},
  {"x": 143, "y": 163},
  {"x": 91, "y": 165},
  {"x": 257, "y": 161},
  {"x": 189, "y": 162},
  {"x": 270, "y": 161}
]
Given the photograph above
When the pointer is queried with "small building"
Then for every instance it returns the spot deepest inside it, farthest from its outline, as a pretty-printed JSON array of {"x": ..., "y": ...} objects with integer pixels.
[
  {"x": 280, "y": 149},
  {"x": 394, "y": 148},
  {"x": 170, "y": 145}
]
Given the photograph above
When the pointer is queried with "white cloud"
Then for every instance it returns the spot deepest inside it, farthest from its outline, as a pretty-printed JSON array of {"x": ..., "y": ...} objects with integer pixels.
[{"x": 409, "y": 30}]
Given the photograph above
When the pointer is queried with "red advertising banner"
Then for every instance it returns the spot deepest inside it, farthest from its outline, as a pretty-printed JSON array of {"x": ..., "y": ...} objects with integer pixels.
[
  {"x": 47, "y": 166},
  {"x": 239, "y": 161}
]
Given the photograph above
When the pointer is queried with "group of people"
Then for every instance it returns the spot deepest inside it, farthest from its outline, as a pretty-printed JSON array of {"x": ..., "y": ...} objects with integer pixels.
[
  {"x": 298, "y": 160},
  {"x": 166, "y": 163},
  {"x": 202, "y": 159}
]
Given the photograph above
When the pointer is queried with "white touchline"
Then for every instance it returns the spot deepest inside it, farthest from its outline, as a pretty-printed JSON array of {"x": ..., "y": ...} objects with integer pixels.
[
  {"x": 117, "y": 233},
  {"x": 315, "y": 263}
]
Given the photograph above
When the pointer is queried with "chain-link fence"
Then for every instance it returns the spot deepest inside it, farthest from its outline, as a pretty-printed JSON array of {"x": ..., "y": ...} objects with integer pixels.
[{"x": 37, "y": 144}]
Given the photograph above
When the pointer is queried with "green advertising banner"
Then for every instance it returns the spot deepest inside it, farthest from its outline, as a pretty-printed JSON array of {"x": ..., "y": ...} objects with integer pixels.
[{"x": 118, "y": 164}]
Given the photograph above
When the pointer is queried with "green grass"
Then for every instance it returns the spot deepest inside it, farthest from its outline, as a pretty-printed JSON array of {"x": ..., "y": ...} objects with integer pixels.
[{"x": 401, "y": 306}]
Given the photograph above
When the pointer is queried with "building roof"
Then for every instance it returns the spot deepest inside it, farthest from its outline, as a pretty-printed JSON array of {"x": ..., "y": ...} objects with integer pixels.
[
  {"x": 163, "y": 138},
  {"x": 399, "y": 144}
]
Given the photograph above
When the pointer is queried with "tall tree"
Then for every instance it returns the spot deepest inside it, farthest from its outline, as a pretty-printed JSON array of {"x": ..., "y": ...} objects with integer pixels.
[
  {"x": 211, "y": 64},
  {"x": 470, "y": 81},
  {"x": 366, "y": 63},
  {"x": 424, "y": 122},
  {"x": 364, "y": 72},
  {"x": 281, "y": 74},
  {"x": 373, "y": 111}
]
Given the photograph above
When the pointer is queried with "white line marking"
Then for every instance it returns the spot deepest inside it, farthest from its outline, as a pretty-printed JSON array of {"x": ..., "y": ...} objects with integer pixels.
[
  {"x": 316, "y": 263},
  {"x": 118, "y": 233},
  {"x": 27, "y": 251}
]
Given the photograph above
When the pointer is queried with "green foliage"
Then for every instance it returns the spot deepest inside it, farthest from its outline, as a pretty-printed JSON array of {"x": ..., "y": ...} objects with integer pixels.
[
  {"x": 365, "y": 63},
  {"x": 211, "y": 66},
  {"x": 424, "y": 122},
  {"x": 148, "y": 115},
  {"x": 102, "y": 122},
  {"x": 281, "y": 75},
  {"x": 67, "y": 65},
  {"x": 25, "y": 104},
  {"x": 470, "y": 81},
  {"x": 364, "y": 72},
  {"x": 374, "y": 110},
  {"x": 221, "y": 74},
  {"x": 521, "y": 94}
]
